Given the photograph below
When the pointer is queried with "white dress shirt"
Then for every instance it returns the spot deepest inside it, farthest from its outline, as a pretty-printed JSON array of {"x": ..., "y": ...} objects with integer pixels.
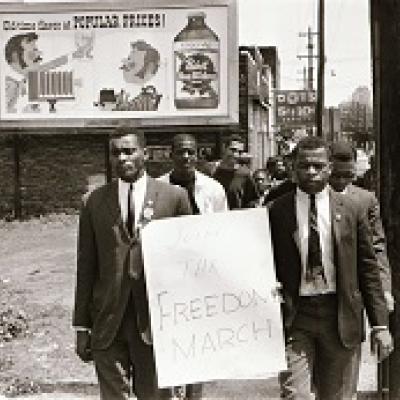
[
  {"x": 209, "y": 194},
  {"x": 139, "y": 193},
  {"x": 325, "y": 235}
]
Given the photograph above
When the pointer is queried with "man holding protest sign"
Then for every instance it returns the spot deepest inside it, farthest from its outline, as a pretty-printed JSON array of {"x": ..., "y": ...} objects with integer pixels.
[
  {"x": 206, "y": 196},
  {"x": 326, "y": 265},
  {"x": 111, "y": 310}
]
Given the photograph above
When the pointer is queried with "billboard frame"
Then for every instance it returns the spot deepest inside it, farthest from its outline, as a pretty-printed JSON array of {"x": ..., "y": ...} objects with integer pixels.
[{"x": 230, "y": 118}]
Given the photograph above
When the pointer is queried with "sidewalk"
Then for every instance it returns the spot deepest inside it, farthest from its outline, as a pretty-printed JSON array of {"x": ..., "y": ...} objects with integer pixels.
[{"x": 264, "y": 389}]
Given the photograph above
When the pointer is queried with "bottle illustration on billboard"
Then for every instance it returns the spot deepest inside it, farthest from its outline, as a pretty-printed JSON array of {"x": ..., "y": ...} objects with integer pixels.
[{"x": 196, "y": 53}]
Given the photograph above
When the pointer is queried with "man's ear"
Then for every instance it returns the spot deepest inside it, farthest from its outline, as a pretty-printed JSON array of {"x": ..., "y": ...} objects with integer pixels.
[
  {"x": 329, "y": 167},
  {"x": 145, "y": 154}
]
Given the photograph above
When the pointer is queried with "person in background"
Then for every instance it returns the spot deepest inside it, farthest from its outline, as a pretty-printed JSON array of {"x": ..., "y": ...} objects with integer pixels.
[
  {"x": 277, "y": 170},
  {"x": 236, "y": 179},
  {"x": 326, "y": 265},
  {"x": 263, "y": 185},
  {"x": 205, "y": 193},
  {"x": 206, "y": 196},
  {"x": 343, "y": 174},
  {"x": 111, "y": 313},
  {"x": 287, "y": 184}
]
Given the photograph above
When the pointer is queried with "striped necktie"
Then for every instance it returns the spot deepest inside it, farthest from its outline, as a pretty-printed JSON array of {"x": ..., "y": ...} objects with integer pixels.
[{"x": 315, "y": 270}]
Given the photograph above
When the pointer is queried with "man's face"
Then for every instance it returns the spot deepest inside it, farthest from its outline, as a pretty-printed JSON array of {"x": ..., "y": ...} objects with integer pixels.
[
  {"x": 343, "y": 173},
  {"x": 312, "y": 170},
  {"x": 128, "y": 157},
  {"x": 233, "y": 152},
  {"x": 280, "y": 172},
  {"x": 260, "y": 179},
  {"x": 30, "y": 53},
  {"x": 184, "y": 155}
]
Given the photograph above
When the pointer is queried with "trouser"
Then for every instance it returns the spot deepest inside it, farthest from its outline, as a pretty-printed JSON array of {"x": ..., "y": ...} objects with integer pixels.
[
  {"x": 128, "y": 363},
  {"x": 319, "y": 366}
]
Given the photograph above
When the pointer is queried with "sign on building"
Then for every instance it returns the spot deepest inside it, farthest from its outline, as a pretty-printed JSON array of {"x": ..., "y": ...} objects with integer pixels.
[
  {"x": 295, "y": 108},
  {"x": 154, "y": 63}
]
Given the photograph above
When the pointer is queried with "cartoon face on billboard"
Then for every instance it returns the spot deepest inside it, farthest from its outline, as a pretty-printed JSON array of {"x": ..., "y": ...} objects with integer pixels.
[
  {"x": 22, "y": 52},
  {"x": 141, "y": 64}
]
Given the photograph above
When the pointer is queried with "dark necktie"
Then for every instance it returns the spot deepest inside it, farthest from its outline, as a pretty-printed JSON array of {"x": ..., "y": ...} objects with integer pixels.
[
  {"x": 188, "y": 184},
  {"x": 315, "y": 271},
  {"x": 135, "y": 261},
  {"x": 130, "y": 220}
]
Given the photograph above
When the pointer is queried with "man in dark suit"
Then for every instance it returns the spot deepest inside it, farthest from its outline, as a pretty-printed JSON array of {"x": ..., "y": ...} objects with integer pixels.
[
  {"x": 327, "y": 267},
  {"x": 285, "y": 185},
  {"x": 111, "y": 311},
  {"x": 343, "y": 158},
  {"x": 343, "y": 174},
  {"x": 234, "y": 177}
]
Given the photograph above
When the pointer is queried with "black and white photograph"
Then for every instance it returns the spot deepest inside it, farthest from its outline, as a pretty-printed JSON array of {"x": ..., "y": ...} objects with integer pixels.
[{"x": 199, "y": 200}]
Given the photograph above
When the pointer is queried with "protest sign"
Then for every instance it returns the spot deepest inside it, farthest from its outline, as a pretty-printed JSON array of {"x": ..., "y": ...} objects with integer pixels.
[{"x": 211, "y": 286}]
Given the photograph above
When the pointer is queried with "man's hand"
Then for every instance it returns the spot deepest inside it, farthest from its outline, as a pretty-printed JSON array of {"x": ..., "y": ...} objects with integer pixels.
[
  {"x": 277, "y": 293},
  {"x": 389, "y": 301},
  {"x": 83, "y": 349},
  {"x": 382, "y": 343},
  {"x": 146, "y": 336}
]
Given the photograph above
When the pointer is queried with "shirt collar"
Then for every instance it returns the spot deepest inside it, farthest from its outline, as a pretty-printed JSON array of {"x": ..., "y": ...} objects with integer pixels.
[
  {"x": 318, "y": 196},
  {"x": 125, "y": 185}
]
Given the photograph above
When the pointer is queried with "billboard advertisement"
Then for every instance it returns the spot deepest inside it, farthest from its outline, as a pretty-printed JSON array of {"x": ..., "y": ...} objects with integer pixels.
[
  {"x": 295, "y": 108},
  {"x": 140, "y": 63}
]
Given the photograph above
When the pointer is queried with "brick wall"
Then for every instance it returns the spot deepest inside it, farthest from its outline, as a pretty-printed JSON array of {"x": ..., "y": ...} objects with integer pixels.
[
  {"x": 55, "y": 171},
  {"x": 6, "y": 177}
]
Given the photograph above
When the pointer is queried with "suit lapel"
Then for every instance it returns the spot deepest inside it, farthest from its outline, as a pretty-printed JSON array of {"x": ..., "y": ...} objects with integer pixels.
[
  {"x": 150, "y": 197},
  {"x": 337, "y": 219},
  {"x": 114, "y": 210},
  {"x": 291, "y": 219}
]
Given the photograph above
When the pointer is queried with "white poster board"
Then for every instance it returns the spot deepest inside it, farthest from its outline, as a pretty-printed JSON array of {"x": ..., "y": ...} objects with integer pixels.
[{"x": 211, "y": 284}]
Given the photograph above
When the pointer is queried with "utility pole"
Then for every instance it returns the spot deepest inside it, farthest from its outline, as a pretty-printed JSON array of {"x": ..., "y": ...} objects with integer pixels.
[
  {"x": 310, "y": 64},
  {"x": 303, "y": 79},
  {"x": 310, "y": 56},
  {"x": 321, "y": 66}
]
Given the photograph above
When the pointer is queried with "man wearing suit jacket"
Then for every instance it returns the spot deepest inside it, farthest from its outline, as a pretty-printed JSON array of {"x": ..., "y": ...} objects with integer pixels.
[
  {"x": 343, "y": 158},
  {"x": 111, "y": 311},
  {"x": 327, "y": 267}
]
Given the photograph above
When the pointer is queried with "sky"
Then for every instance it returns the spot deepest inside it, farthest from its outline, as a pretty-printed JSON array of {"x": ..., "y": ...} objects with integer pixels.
[{"x": 347, "y": 40}]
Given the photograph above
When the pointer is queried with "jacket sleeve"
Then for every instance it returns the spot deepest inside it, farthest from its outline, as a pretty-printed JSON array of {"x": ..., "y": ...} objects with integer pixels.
[
  {"x": 86, "y": 269},
  {"x": 379, "y": 243},
  {"x": 369, "y": 276}
]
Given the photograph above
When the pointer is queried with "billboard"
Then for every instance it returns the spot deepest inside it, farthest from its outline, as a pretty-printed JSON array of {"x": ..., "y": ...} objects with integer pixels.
[
  {"x": 295, "y": 108},
  {"x": 149, "y": 63}
]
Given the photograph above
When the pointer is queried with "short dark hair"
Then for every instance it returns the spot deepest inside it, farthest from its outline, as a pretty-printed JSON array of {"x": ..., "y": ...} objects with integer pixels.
[
  {"x": 126, "y": 131},
  {"x": 343, "y": 151},
  {"x": 311, "y": 143},
  {"x": 14, "y": 46},
  {"x": 183, "y": 137}
]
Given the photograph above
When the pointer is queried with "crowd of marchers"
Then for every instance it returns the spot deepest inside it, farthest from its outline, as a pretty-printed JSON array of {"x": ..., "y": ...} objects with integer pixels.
[{"x": 329, "y": 250}]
